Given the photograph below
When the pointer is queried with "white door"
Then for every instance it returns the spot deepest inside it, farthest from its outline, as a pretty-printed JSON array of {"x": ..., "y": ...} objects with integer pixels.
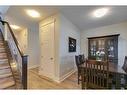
[{"x": 47, "y": 50}]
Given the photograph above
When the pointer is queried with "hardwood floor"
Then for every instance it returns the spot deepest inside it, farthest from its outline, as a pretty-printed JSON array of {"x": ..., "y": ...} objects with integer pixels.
[{"x": 39, "y": 82}]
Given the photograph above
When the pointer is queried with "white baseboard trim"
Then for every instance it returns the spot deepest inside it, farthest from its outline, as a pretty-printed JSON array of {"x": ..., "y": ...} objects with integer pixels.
[
  {"x": 62, "y": 78},
  {"x": 34, "y": 66}
]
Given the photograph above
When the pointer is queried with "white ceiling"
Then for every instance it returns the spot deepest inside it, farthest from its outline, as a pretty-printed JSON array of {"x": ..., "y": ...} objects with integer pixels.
[
  {"x": 81, "y": 16},
  {"x": 17, "y": 14}
]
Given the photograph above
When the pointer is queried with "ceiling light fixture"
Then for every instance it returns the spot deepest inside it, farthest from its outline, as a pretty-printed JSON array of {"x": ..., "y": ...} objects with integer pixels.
[
  {"x": 15, "y": 27},
  {"x": 33, "y": 13},
  {"x": 100, "y": 12}
]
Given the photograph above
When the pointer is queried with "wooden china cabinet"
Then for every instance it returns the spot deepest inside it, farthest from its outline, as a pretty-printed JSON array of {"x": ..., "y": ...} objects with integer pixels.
[{"x": 108, "y": 44}]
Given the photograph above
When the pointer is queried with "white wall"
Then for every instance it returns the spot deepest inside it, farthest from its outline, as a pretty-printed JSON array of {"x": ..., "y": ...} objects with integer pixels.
[
  {"x": 120, "y": 28},
  {"x": 33, "y": 39},
  {"x": 33, "y": 46},
  {"x": 21, "y": 37},
  {"x": 67, "y": 59}
]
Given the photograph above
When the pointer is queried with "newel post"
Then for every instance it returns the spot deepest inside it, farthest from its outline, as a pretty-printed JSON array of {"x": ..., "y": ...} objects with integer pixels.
[{"x": 24, "y": 71}]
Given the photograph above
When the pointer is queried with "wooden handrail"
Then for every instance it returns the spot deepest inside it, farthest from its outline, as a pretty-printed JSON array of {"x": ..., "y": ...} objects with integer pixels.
[{"x": 14, "y": 38}]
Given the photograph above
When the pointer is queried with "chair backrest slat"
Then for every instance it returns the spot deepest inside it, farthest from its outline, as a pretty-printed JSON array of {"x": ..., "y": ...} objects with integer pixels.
[
  {"x": 97, "y": 73},
  {"x": 125, "y": 64},
  {"x": 103, "y": 75},
  {"x": 81, "y": 58},
  {"x": 77, "y": 61}
]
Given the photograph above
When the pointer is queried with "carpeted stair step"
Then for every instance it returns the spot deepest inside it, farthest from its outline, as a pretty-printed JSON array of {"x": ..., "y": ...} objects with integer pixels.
[
  {"x": 3, "y": 61},
  {"x": 2, "y": 50},
  {"x": 2, "y": 46},
  {"x": 5, "y": 75},
  {"x": 6, "y": 82},
  {"x": 2, "y": 42},
  {"x": 3, "y": 54},
  {"x": 5, "y": 71},
  {"x": 3, "y": 57},
  {"x": 4, "y": 66},
  {"x": 11, "y": 87}
]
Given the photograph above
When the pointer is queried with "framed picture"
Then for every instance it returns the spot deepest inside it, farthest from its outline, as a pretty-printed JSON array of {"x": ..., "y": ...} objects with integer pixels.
[{"x": 72, "y": 44}]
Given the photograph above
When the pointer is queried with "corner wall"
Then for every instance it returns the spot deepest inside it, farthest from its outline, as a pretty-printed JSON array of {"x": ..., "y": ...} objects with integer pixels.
[
  {"x": 120, "y": 28},
  {"x": 21, "y": 37},
  {"x": 67, "y": 59},
  {"x": 33, "y": 46}
]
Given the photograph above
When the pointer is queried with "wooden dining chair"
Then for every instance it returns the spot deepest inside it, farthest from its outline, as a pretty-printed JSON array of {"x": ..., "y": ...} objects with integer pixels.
[
  {"x": 96, "y": 75},
  {"x": 78, "y": 68},
  {"x": 123, "y": 82},
  {"x": 125, "y": 64},
  {"x": 82, "y": 58}
]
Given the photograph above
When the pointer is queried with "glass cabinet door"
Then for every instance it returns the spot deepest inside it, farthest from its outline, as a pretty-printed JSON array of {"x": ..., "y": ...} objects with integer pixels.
[
  {"x": 101, "y": 47},
  {"x": 112, "y": 50},
  {"x": 93, "y": 48}
]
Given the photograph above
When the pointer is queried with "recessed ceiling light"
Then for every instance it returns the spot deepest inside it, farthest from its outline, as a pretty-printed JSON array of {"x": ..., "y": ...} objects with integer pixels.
[
  {"x": 15, "y": 27},
  {"x": 100, "y": 12},
  {"x": 33, "y": 13}
]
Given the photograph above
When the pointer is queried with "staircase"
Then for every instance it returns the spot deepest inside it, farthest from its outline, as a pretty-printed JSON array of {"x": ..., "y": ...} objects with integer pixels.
[
  {"x": 6, "y": 76},
  {"x": 13, "y": 70}
]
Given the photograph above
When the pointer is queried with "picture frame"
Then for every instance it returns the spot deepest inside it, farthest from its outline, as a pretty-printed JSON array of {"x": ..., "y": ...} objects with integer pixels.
[{"x": 72, "y": 44}]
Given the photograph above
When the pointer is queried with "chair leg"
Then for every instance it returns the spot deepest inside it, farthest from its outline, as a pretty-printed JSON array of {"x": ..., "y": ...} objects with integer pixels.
[{"x": 78, "y": 78}]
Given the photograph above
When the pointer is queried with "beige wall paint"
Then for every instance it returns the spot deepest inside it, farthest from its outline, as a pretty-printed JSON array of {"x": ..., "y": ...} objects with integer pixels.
[{"x": 120, "y": 28}]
